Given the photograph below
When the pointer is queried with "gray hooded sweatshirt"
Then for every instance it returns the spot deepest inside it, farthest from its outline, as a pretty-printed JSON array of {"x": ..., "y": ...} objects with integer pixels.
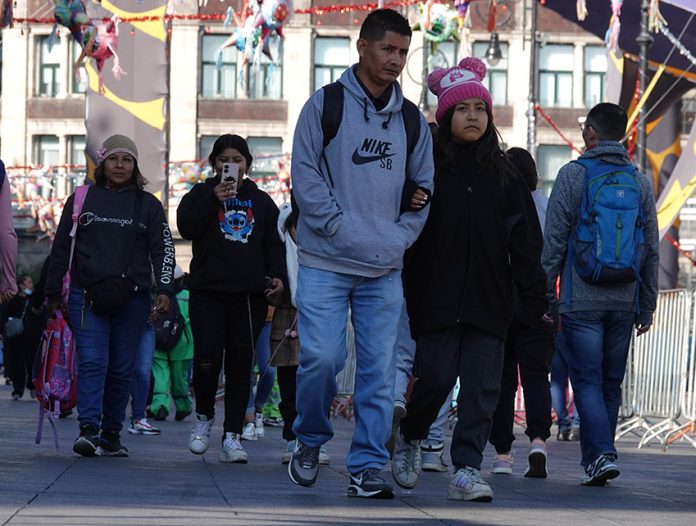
[
  {"x": 349, "y": 194},
  {"x": 561, "y": 213}
]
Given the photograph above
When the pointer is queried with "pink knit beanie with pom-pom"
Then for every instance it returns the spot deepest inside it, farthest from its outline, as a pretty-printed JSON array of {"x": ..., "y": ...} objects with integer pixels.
[{"x": 457, "y": 84}]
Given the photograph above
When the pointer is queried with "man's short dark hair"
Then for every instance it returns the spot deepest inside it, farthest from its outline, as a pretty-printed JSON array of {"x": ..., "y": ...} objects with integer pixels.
[
  {"x": 379, "y": 21},
  {"x": 525, "y": 164},
  {"x": 608, "y": 120}
]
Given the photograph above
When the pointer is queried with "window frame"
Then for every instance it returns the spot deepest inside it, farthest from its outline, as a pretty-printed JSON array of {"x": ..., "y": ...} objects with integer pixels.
[
  {"x": 218, "y": 76},
  {"x": 496, "y": 71},
  {"x": 335, "y": 70},
  {"x": 43, "y": 66},
  {"x": 556, "y": 75}
]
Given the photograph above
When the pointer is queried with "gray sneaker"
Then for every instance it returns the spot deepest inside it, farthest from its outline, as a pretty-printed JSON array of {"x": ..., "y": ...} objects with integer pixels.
[
  {"x": 232, "y": 450},
  {"x": 324, "y": 459},
  {"x": 467, "y": 484},
  {"x": 287, "y": 453},
  {"x": 406, "y": 461},
  {"x": 200, "y": 434},
  {"x": 602, "y": 470},
  {"x": 431, "y": 458},
  {"x": 303, "y": 467},
  {"x": 398, "y": 413}
]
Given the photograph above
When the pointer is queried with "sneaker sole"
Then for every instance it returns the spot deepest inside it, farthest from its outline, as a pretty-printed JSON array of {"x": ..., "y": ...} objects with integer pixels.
[
  {"x": 301, "y": 482},
  {"x": 248, "y": 438},
  {"x": 537, "y": 466},
  {"x": 460, "y": 494},
  {"x": 405, "y": 485},
  {"x": 602, "y": 478},
  {"x": 501, "y": 471},
  {"x": 357, "y": 491},
  {"x": 225, "y": 460},
  {"x": 434, "y": 467},
  {"x": 104, "y": 453},
  {"x": 84, "y": 448},
  {"x": 198, "y": 452}
]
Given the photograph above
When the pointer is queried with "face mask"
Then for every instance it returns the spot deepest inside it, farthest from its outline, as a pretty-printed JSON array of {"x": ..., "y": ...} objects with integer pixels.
[{"x": 27, "y": 292}]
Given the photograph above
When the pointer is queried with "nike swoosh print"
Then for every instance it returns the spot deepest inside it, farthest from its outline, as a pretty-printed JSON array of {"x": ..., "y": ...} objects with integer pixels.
[{"x": 360, "y": 159}]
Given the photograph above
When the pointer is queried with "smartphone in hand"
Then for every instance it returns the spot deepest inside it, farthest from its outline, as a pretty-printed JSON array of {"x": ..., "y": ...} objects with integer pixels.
[{"x": 230, "y": 174}]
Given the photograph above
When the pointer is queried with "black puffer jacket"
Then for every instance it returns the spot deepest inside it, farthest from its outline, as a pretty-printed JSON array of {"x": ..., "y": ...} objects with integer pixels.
[{"x": 482, "y": 239}]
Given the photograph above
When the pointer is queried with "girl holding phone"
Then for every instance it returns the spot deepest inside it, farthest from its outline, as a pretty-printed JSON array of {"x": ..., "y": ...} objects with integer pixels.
[{"x": 235, "y": 248}]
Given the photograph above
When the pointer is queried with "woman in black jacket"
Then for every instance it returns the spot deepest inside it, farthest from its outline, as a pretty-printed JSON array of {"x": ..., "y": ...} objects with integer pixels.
[
  {"x": 475, "y": 252},
  {"x": 238, "y": 262},
  {"x": 122, "y": 235}
]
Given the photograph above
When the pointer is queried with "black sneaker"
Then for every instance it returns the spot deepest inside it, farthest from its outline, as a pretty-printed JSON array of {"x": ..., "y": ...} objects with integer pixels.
[
  {"x": 161, "y": 415},
  {"x": 87, "y": 443},
  {"x": 369, "y": 484},
  {"x": 602, "y": 470},
  {"x": 303, "y": 467},
  {"x": 110, "y": 445}
]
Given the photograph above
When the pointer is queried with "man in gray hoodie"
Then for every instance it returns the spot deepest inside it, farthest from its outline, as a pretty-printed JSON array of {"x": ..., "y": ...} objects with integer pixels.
[
  {"x": 597, "y": 320},
  {"x": 351, "y": 237}
]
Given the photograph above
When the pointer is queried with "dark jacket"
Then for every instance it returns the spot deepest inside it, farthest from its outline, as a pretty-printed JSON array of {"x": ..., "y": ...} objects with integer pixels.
[
  {"x": 482, "y": 239},
  {"x": 235, "y": 244},
  {"x": 105, "y": 231}
]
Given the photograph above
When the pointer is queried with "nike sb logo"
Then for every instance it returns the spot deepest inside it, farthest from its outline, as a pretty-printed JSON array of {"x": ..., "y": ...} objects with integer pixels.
[{"x": 374, "y": 150}]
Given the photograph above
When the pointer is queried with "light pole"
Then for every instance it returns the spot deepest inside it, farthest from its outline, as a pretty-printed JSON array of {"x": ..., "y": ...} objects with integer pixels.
[
  {"x": 533, "y": 84},
  {"x": 423, "y": 103},
  {"x": 644, "y": 40}
]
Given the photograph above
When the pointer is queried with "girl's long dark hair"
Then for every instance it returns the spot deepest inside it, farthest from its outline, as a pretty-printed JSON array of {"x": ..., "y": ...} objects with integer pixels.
[
  {"x": 487, "y": 148},
  {"x": 137, "y": 179}
]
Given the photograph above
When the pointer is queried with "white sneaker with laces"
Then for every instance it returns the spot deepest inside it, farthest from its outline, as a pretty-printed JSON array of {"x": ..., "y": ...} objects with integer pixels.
[
  {"x": 406, "y": 461},
  {"x": 200, "y": 434},
  {"x": 258, "y": 424},
  {"x": 142, "y": 427},
  {"x": 467, "y": 484},
  {"x": 431, "y": 458},
  {"x": 249, "y": 431},
  {"x": 232, "y": 450}
]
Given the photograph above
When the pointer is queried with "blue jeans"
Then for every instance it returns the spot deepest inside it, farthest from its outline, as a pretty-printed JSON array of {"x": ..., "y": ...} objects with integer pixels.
[
  {"x": 323, "y": 299},
  {"x": 107, "y": 348},
  {"x": 559, "y": 388},
  {"x": 596, "y": 348},
  {"x": 142, "y": 374},
  {"x": 405, "y": 355},
  {"x": 267, "y": 373}
]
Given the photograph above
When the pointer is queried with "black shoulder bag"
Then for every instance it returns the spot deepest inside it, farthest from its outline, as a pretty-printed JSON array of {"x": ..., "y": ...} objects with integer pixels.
[{"x": 110, "y": 294}]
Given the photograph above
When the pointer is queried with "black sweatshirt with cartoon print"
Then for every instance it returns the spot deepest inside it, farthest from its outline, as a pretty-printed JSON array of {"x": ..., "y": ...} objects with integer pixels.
[{"x": 235, "y": 243}]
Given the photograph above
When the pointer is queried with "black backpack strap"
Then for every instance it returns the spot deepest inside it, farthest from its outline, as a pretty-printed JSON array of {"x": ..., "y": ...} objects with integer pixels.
[
  {"x": 2, "y": 173},
  {"x": 332, "y": 111},
  {"x": 412, "y": 117}
]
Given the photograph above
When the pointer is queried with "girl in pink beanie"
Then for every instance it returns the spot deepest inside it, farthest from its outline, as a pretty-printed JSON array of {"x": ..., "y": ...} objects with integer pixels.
[{"x": 477, "y": 250}]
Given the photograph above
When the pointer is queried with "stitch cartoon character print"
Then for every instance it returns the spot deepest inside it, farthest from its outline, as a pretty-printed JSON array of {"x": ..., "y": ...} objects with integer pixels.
[{"x": 236, "y": 219}]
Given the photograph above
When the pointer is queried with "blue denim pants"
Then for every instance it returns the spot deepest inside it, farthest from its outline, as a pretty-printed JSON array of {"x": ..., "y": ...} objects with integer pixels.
[
  {"x": 107, "y": 348},
  {"x": 142, "y": 373},
  {"x": 323, "y": 299},
  {"x": 559, "y": 389},
  {"x": 267, "y": 373},
  {"x": 596, "y": 348}
]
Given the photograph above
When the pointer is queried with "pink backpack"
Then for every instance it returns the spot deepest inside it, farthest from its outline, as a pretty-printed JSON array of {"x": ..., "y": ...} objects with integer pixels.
[{"x": 54, "y": 374}]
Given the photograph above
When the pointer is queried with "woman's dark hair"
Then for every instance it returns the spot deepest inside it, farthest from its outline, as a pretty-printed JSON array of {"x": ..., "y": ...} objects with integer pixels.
[
  {"x": 21, "y": 278},
  {"x": 487, "y": 148},
  {"x": 524, "y": 162},
  {"x": 138, "y": 179},
  {"x": 230, "y": 141}
]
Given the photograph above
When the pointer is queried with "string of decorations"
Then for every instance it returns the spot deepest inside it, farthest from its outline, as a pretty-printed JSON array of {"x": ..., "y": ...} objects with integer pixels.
[
  {"x": 687, "y": 254},
  {"x": 553, "y": 125},
  {"x": 675, "y": 41}
]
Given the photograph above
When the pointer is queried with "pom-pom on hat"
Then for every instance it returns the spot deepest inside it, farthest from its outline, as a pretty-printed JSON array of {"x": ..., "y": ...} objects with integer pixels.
[
  {"x": 457, "y": 84},
  {"x": 117, "y": 144}
]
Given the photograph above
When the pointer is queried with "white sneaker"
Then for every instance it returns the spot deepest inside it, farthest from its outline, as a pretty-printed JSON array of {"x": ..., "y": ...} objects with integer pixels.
[
  {"x": 258, "y": 424},
  {"x": 324, "y": 459},
  {"x": 467, "y": 484},
  {"x": 249, "y": 431},
  {"x": 406, "y": 461},
  {"x": 200, "y": 434},
  {"x": 431, "y": 458},
  {"x": 142, "y": 427},
  {"x": 287, "y": 454},
  {"x": 232, "y": 450}
]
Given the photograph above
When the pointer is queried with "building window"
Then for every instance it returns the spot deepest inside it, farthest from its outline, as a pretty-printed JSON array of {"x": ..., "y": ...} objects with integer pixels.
[
  {"x": 266, "y": 78},
  {"x": 218, "y": 82},
  {"x": 78, "y": 79},
  {"x": 267, "y": 152},
  {"x": 77, "y": 150},
  {"x": 49, "y": 68},
  {"x": 550, "y": 159},
  {"x": 331, "y": 58},
  {"x": 556, "y": 76},
  {"x": 46, "y": 149},
  {"x": 445, "y": 56},
  {"x": 496, "y": 77},
  {"x": 205, "y": 145},
  {"x": 595, "y": 74}
]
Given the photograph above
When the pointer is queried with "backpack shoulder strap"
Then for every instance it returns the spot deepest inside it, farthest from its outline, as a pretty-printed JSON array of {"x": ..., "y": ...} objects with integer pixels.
[
  {"x": 78, "y": 203},
  {"x": 2, "y": 173},
  {"x": 332, "y": 111},
  {"x": 412, "y": 120}
]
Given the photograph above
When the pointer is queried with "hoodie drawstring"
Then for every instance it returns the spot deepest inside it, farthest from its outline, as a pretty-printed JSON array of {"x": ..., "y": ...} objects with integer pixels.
[
  {"x": 366, "y": 117},
  {"x": 385, "y": 124}
]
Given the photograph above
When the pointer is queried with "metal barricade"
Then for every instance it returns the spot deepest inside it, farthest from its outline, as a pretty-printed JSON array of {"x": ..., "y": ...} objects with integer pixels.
[{"x": 657, "y": 373}]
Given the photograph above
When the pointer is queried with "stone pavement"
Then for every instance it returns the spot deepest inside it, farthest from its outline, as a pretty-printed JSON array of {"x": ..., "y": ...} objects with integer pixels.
[{"x": 161, "y": 483}]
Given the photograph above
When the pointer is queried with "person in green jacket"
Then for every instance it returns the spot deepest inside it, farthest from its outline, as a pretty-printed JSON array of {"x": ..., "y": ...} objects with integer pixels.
[{"x": 170, "y": 369}]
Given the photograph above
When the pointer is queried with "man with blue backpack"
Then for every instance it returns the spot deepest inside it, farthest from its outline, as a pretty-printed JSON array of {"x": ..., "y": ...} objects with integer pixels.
[{"x": 601, "y": 239}]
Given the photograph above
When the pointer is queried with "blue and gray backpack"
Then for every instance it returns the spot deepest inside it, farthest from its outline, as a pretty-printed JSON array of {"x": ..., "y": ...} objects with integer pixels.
[{"x": 607, "y": 245}]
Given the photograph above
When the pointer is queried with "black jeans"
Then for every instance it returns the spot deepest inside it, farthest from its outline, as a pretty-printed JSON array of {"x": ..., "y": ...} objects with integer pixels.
[
  {"x": 220, "y": 327},
  {"x": 476, "y": 358},
  {"x": 532, "y": 349},
  {"x": 287, "y": 383},
  {"x": 20, "y": 353}
]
